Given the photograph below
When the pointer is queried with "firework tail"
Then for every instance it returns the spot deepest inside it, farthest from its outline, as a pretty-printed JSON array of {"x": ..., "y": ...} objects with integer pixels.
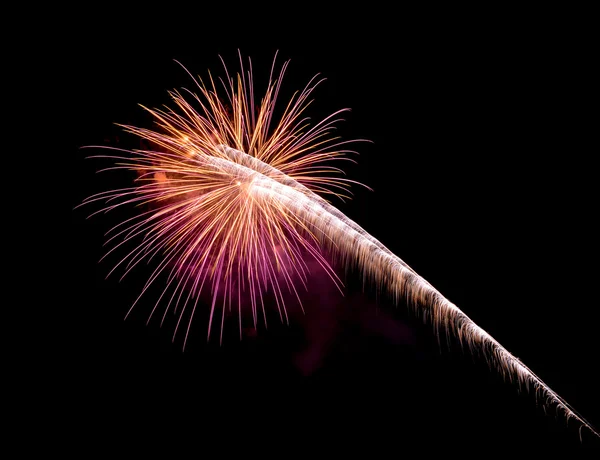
[{"x": 354, "y": 244}]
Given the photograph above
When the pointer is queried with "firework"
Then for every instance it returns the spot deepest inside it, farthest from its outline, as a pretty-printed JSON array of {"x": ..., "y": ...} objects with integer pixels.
[{"x": 232, "y": 204}]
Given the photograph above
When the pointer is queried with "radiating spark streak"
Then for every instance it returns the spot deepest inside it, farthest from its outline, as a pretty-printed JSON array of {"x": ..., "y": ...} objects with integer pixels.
[
  {"x": 353, "y": 242},
  {"x": 234, "y": 209}
]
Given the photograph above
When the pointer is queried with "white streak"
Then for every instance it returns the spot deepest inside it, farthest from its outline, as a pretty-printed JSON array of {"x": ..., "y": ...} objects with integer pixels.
[{"x": 354, "y": 244}]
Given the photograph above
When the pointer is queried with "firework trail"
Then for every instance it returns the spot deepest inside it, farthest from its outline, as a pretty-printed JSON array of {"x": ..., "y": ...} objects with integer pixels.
[{"x": 232, "y": 206}]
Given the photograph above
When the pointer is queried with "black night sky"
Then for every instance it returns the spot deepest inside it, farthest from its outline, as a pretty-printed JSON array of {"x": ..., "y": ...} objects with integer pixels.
[{"x": 481, "y": 184}]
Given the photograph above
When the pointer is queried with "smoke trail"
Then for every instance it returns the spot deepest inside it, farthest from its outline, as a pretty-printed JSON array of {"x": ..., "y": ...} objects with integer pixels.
[{"x": 354, "y": 244}]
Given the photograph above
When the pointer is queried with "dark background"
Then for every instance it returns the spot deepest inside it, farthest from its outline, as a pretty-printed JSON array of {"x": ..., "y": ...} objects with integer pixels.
[{"x": 483, "y": 183}]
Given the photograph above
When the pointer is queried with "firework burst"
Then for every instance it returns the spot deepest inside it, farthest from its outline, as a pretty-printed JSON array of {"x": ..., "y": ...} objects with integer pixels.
[
  {"x": 211, "y": 231},
  {"x": 232, "y": 204}
]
